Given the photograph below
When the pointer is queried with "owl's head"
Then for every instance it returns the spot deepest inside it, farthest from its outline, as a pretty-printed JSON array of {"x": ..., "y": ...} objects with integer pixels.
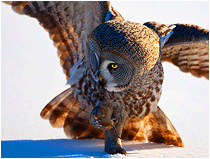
[{"x": 119, "y": 51}]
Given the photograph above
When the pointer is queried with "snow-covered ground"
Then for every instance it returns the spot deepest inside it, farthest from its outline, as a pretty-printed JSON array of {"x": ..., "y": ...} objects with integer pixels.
[
  {"x": 78, "y": 148},
  {"x": 31, "y": 76}
]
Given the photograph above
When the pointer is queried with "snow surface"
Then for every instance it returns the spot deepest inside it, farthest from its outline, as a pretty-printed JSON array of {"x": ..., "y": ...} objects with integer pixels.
[
  {"x": 31, "y": 76},
  {"x": 78, "y": 148}
]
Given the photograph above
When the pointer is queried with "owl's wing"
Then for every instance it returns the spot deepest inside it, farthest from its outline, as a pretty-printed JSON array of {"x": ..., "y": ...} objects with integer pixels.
[
  {"x": 155, "y": 127},
  {"x": 69, "y": 24},
  {"x": 67, "y": 112},
  {"x": 187, "y": 47}
]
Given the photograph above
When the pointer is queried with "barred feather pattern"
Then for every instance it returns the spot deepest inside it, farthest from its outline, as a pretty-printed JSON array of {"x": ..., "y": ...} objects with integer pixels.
[
  {"x": 69, "y": 25},
  {"x": 71, "y": 110},
  {"x": 65, "y": 111},
  {"x": 187, "y": 48}
]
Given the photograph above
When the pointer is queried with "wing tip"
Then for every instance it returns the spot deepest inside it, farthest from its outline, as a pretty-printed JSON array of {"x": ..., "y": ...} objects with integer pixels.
[
  {"x": 7, "y": 2},
  {"x": 162, "y": 130},
  {"x": 17, "y": 6}
]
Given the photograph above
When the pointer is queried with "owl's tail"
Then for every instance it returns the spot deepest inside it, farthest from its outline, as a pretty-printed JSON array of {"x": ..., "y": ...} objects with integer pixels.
[
  {"x": 155, "y": 127},
  {"x": 67, "y": 112}
]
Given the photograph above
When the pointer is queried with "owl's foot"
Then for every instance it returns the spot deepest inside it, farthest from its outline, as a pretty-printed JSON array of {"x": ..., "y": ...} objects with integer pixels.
[
  {"x": 116, "y": 151},
  {"x": 113, "y": 143},
  {"x": 99, "y": 119}
]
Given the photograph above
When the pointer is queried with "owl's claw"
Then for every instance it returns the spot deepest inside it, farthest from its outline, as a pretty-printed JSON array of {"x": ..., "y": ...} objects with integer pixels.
[
  {"x": 97, "y": 117},
  {"x": 116, "y": 151},
  {"x": 103, "y": 122},
  {"x": 97, "y": 122}
]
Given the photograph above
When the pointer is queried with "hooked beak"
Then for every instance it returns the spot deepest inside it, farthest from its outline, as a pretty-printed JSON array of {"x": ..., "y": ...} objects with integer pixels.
[{"x": 97, "y": 77}]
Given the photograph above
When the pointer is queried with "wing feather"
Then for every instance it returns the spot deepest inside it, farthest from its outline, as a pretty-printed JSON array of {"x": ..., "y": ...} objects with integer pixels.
[
  {"x": 187, "y": 48},
  {"x": 69, "y": 24},
  {"x": 155, "y": 127}
]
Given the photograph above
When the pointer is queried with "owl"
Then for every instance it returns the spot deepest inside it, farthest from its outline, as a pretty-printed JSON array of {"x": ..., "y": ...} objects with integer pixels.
[{"x": 114, "y": 69}]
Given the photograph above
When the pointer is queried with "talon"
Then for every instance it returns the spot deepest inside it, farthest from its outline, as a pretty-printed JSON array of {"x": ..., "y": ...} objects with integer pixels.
[
  {"x": 116, "y": 151},
  {"x": 113, "y": 152},
  {"x": 122, "y": 151}
]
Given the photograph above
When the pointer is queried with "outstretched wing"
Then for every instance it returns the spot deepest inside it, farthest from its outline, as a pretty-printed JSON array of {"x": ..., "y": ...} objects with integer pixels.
[
  {"x": 69, "y": 24},
  {"x": 187, "y": 47},
  {"x": 155, "y": 127}
]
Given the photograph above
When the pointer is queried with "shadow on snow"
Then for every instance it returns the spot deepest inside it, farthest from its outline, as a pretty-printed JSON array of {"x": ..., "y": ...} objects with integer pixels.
[{"x": 66, "y": 148}]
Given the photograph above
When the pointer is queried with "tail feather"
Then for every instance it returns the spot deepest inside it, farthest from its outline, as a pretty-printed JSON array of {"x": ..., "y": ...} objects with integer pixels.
[
  {"x": 67, "y": 112},
  {"x": 47, "y": 110},
  {"x": 59, "y": 114},
  {"x": 77, "y": 125},
  {"x": 135, "y": 129},
  {"x": 73, "y": 115},
  {"x": 162, "y": 130},
  {"x": 155, "y": 127}
]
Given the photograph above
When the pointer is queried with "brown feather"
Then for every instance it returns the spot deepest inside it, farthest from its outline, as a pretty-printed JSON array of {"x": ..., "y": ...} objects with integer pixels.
[
  {"x": 155, "y": 127},
  {"x": 47, "y": 110},
  {"x": 69, "y": 24},
  {"x": 187, "y": 48}
]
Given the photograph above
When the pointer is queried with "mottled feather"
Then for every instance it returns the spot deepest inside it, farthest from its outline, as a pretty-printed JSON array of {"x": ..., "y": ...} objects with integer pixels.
[
  {"x": 69, "y": 24},
  {"x": 187, "y": 48},
  {"x": 78, "y": 28}
]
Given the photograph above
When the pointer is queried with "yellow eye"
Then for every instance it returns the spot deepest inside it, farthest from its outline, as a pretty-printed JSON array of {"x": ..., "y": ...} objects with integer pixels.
[
  {"x": 114, "y": 66},
  {"x": 100, "y": 78}
]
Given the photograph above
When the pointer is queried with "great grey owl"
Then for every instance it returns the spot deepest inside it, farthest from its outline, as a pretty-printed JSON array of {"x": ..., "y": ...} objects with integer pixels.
[{"x": 114, "y": 69}]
